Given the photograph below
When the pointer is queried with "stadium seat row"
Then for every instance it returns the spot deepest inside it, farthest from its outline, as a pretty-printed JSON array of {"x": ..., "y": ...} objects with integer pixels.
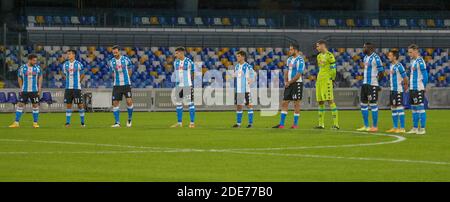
[
  {"x": 241, "y": 22},
  {"x": 154, "y": 65},
  {"x": 154, "y": 20},
  {"x": 366, "y": 22},
  {"x": 58, "y": 20},
  {"x": 208, "y": 21}
]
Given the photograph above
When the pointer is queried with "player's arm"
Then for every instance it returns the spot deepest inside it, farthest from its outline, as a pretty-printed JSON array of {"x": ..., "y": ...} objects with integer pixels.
[
  {"x": 250, "y": 75},
  {"x": 405, "y": 80},
  {"x": 19, "y": 78},
  {"x": 300, "y": 68},
  {"x": 423, "y": 69},
  {"x": 40, "y": 82},
  {"x": 380, "y": 68},
  {"x": 332, "y": 62},
  {"x": 131, "y": 66},
  {"x": 82, "y": 73},
  {"x": 62, "y": 72},
  {"x": 110, "y": 66},
  {"x": 286, "y": 78},
  {"x": 192, "y": 69}
]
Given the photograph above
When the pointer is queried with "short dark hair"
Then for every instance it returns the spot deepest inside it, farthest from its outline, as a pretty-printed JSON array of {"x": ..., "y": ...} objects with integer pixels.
[
  {"x": 322, "y": 41},
  {"x": 395, "y": 53},
  {"x": 242, "y": 53},
  {"x": 413, "y": 46},
  {"x": 72, "y": 51},
  {"x": 295, "y": 46},
  {"x": 116, "y": 47},
  {"x": 370, "y": 46},
  {"x": 180, "y": 48},
  {"x": 31, "y": 56}
]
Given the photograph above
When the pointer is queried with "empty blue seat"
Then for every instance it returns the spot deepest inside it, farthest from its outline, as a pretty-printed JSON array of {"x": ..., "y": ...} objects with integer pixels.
[
  {"x": 162, "y": 20},
  {"x": 12, "y": 98},
  {"x": 92, "y": 20},
  {"x": 385, "y": 23},
  {"x": 439, "y": 23},
  {"x": 253, "y": 22},
  {"x": 173, "y": 21},
  {"x": 65, "y": 20},
  {"x": 340, "y": 22},
  {"x": 208, "y": 21},
  {"x": 48, "y": 20},
  {"x": 84, "y": 20},
  {"x": 189, "y": 21},
  {"x": 136, "y": 20},
  {"x": 235, "y": 21},
  {"x": 360, "y": 22},
  {"x": 412, "y": 23},
  {"x": 3, "y": 98},
  {"x": 23, "y": 20},
  {"x": 47, "y": 98}
]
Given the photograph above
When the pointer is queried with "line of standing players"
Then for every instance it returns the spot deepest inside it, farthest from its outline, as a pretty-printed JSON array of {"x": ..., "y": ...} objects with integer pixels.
[{"x": 30, "y": 83}]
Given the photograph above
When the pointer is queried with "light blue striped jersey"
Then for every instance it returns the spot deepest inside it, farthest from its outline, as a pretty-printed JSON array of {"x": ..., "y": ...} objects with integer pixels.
[
  {"x": 295, "y": 65},
  {"x": 183, "y": 71},
  {"x": 243, "y": 74},
  {"x": 73, "y": 71},
  {"x": 419, "y": 74},
  {"x": 120, "y": 68},
  {"x": 30, "y": 77},
  {"x": 397, "y": 73},
  {"x": 372, "y": 65}
]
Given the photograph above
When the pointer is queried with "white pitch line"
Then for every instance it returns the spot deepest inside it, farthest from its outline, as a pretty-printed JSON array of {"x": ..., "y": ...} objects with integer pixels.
[
  {"x": 342, "y": 157},
  {"x": 235, "y": 151},
  {"x": 96, "y": 152},
  {"x": 397, "y": 140},
  {"x": 88, "y": 144}
]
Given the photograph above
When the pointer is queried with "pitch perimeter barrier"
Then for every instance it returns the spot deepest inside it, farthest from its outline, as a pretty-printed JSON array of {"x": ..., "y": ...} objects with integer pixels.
[{"x": 147, "y": 100}]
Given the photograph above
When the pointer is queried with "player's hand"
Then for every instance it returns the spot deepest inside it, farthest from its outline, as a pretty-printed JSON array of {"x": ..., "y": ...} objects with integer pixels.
[
  {"x": 39, "y": 92},
  {"x": 286, "y": 84}
]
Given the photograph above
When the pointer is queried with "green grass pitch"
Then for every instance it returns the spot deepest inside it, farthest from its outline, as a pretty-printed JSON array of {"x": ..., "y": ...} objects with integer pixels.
[{"x": 151, "y": 151}]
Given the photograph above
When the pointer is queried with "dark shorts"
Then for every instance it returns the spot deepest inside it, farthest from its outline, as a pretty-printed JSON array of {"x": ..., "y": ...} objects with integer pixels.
[
  {"x": 185, "y": 94},
  {"x": 416, "y": 97},
  {"x": 73, "y": 96},
  {"x": 120, "y": 91},
  {"x": 369, "y": 93},
  {"x": 26, "y": 97},
  {"x": 396, "y": 98},
  {"x": 242, "y": 99},
  {"x": 294, "y": 92}
]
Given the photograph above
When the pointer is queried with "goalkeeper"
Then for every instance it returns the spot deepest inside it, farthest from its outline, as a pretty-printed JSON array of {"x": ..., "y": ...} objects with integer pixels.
[{"x": 324, "y": 84}]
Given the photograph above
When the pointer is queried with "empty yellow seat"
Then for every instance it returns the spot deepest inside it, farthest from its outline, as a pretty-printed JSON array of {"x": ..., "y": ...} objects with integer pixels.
[
  {"x": 40, "y": 19},
  {"x": 323, "y": 22},
  {"x": 350, "y": 22},
  {"x": 91, "y": 49},
  {"x": 430, "y": 23},
  {"x": 154, "y": 20},
  {"x": 226, "y": 21},
  {"x": 95, "y": 70}
]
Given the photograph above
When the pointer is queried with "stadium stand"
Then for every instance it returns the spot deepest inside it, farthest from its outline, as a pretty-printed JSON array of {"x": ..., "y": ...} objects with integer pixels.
[
  {"x": 337, "y": 22},
  {"x": 153, "y": 65}
]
